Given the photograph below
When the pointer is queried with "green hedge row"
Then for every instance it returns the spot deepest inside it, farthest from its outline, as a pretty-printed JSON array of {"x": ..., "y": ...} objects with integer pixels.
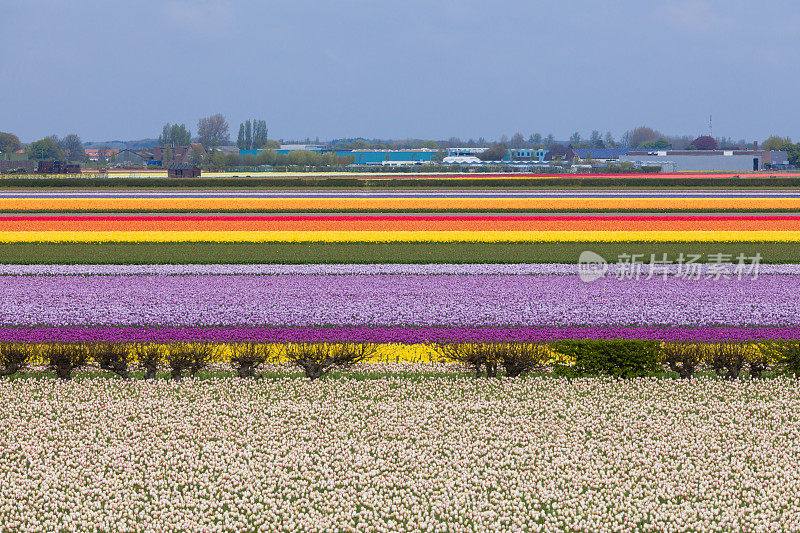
[
  {"x": 617, "y": 358},
  {"x": 399, "y": 183}
]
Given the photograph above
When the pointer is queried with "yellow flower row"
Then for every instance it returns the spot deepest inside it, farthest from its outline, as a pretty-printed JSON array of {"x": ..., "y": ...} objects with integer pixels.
[{"x": 399, "y": 236}]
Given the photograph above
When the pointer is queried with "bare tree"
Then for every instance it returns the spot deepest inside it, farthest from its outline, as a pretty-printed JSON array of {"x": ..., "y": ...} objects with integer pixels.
[
  {"x": 641, "y": 135},
  {"x": 149, "y": 356},
  {"x": 213, "y": 131},
  {"x": 248, "y": 356},
  {"x": 64, "y": 359},
  {"x": 113, "y": 357},
  {"x": 683, "y": 358},
  {"x": 316, "y": 360},
  {"x": 14, "y": 357}
]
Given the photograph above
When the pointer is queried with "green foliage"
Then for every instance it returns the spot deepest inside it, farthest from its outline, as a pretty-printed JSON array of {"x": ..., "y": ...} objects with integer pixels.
[
  {"x": 9, "y": 143},
  {"x": 45, "y": 149},
  {"x": 174, "y": 134},
  {"x": 659, "y": 144},
  {"x": 617, "y": 358},
  {"x": 786, "y": 355}
]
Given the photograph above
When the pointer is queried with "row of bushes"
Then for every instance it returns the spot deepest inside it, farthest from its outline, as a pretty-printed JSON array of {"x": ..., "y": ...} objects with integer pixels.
[
  {"x": 399, "y": 183},
  {"x": 180, "y": 359},
  {"x": 627, "y": 358},
  {"x": 617, "y": 358}
]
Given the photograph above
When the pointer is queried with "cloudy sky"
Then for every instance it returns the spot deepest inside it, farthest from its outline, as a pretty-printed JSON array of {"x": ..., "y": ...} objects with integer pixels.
[{"x": 109, "y": 69}]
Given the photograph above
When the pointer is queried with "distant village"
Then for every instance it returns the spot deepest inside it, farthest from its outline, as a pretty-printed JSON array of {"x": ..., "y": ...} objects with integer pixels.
[{"x": 642, "y": 149}]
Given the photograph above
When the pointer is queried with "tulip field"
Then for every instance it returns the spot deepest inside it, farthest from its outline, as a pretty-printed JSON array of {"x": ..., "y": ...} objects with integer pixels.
[{"x": 272, "y": 359}]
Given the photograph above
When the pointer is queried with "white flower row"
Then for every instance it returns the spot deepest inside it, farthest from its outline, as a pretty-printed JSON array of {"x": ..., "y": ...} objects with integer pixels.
[{"x": 399, "y": 453}]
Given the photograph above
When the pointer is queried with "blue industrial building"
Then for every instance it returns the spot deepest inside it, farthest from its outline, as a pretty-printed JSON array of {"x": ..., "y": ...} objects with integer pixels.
[
  {"x": 364, "y": 157},
  {"x": 389, "y": 157}
]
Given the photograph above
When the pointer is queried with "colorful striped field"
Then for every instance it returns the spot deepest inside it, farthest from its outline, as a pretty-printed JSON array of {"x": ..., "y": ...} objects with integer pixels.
[
  {"x": 398, "y": 228},
  {"x": 589, "y": 200}
]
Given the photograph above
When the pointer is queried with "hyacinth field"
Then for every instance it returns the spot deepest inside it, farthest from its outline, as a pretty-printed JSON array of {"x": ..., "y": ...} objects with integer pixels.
[{"x": 415, "y": 360}]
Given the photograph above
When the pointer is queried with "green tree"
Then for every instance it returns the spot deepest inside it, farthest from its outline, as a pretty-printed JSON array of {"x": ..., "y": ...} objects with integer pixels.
[
  {"x": 260, "y": 139},
  {"x": 165, "y": 139},
  {"x": 777, "y": 143},
  {"x": 498, "y": 152},
  {"x": 181, "y": 136},
  {"x": 44, "y": 149},
  {"x": 174, "y": 135},
  {"x": 196, "y": 157},
  {"x": 240, "y": 138},
  {"x": 659, "y": 144},
  {"x": 575, "y": 139},
  {"x": 596, "y": 140},
  {"x": 248, "y": 135},
  {"x": 9, "y": 143}
]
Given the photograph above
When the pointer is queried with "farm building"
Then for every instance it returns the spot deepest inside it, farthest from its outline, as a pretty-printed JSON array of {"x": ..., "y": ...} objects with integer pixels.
[
  {"x": 130, "y": 157},
  {"x": 58, "y": 167},
  {"x": 183, "y": 170},
  {"x": 710, "y": 160},
  {"x": 164, "y": 156}
]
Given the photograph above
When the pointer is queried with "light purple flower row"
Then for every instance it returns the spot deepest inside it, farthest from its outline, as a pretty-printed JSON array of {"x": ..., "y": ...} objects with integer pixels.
[
  {"x": 521, "y": 269},
  {"x": 403, "y": 335},
  {"x": 396, "y": 300}
]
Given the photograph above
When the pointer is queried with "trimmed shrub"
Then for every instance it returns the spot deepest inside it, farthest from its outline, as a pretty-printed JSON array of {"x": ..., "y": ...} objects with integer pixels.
[
  {"x": 682, "y": 358},
  {"x": 149, "y": 356},
  {"x": 520, "y": 358},
  {"x": 14, "y": 357},
  {"x": 727, "y": 359},
  {"x": 477, "y": 356},
  {"x": 248, "y": 356},
  {"x": 617, "y": 358},
  {"x": 316, "y": 360},
  {"x": 191, "y": 357},
  {"x": 64, "y": 359},
  {"x": 112, "y": 357}
]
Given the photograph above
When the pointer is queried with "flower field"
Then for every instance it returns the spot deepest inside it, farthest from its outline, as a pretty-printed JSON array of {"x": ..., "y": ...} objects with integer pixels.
[
  {"x": 418, "y": 200},
  {"x": 414, "y": 454},
  {"x": 382, "y": 360}
]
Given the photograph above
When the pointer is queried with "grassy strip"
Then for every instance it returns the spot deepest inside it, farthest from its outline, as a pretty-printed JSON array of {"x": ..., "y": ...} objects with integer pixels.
[
  {"x": 403, "y": 182},
  {"x": 399, "y": 252}
]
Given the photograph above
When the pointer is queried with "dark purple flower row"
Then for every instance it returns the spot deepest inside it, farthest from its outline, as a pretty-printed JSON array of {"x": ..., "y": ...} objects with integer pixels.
[{"x": 406, "y": 335}]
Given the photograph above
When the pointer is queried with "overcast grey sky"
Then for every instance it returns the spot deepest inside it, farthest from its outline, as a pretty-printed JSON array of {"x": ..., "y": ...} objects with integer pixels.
[{"x": 109, "y": 69}]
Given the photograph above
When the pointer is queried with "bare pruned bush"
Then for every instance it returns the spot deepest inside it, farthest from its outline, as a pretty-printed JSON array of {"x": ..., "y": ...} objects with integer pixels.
[
  {"x": 682, "y": 357},
  {"x": 519, "y": 358},
  {"x": 758, "y": 362},
  {"x": 191, "y": 357},
  {"x": 113, "y": 357},
  {"x": 317, "y": 359},
  {"x": 478, "y": 356},
  {"x": 64, "y": 359},
  {"x": 149, "y": 357},
  {"x": 246, "y": 358},
  {"x": 728, "y": 359},
  {"x": 14, "y": 357},
  {"x": 515, "y": 358}
]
